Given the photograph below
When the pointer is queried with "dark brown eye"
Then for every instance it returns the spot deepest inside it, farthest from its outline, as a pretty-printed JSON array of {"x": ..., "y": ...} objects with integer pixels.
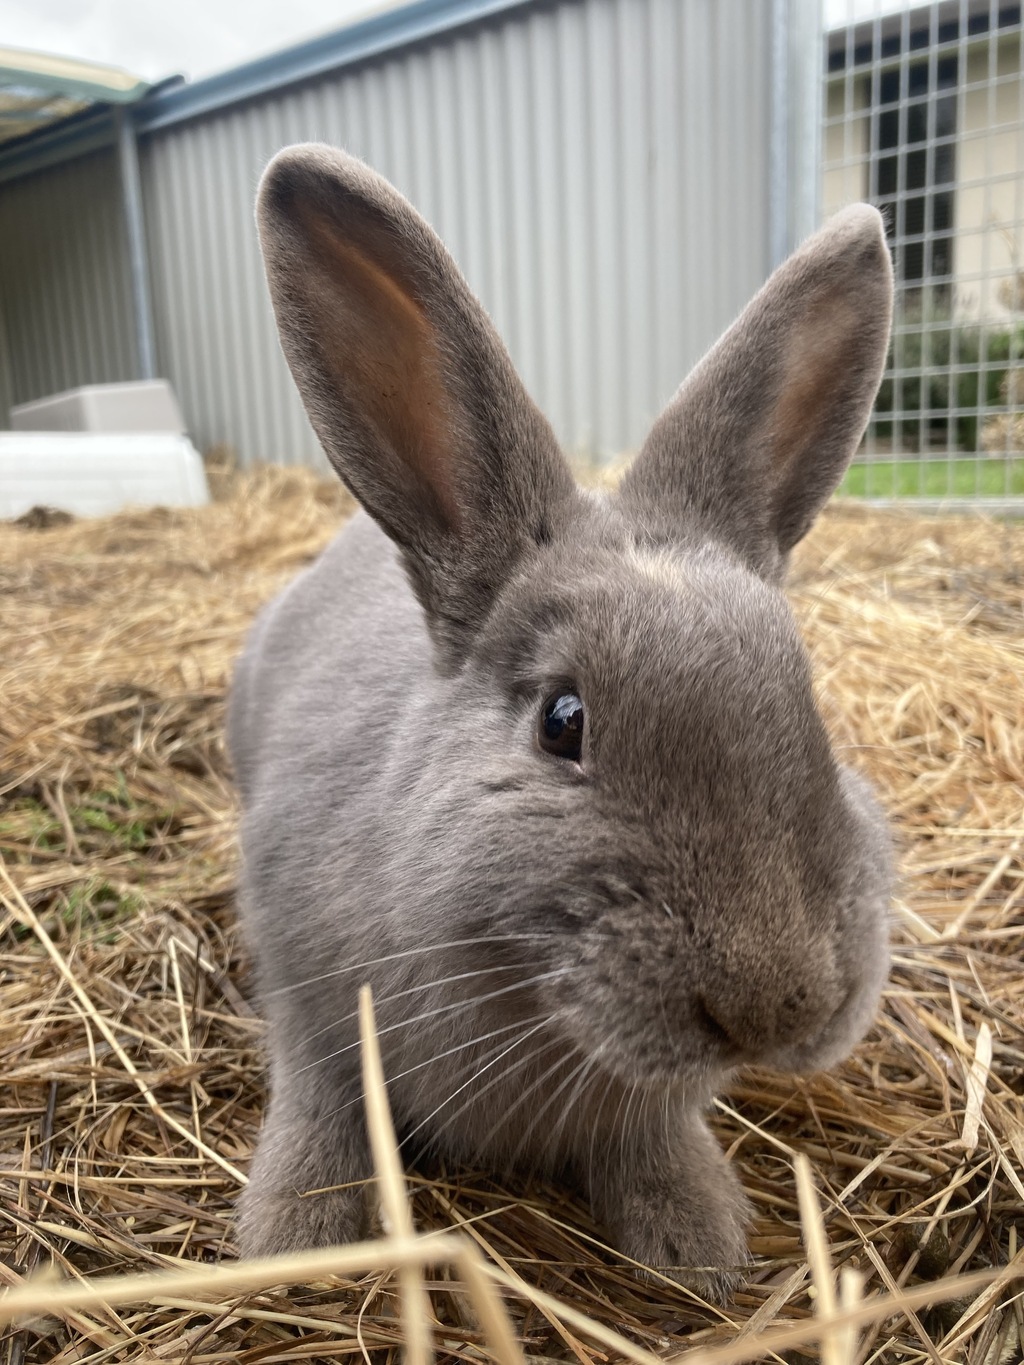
[{"x": 561, "y": 726}]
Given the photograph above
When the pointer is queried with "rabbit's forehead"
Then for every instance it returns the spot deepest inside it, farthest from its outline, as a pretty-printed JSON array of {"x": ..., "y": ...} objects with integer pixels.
[
  {"x": 651, "y": 601},
  {"x": 663, "y": 566},
  {"x": 663, "y": 645}
]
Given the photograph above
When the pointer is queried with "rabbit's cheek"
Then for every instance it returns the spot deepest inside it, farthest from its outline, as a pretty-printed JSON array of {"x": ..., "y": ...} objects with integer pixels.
[
  {"x": 855, "y": 1013},
  {"x": 638, "y": 1032}
]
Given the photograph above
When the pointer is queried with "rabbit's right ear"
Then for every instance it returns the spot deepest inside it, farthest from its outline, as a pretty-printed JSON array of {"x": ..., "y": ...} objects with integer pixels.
[
  {"x": 761, "y": 432},
  {"x": 408, "y": 386}
]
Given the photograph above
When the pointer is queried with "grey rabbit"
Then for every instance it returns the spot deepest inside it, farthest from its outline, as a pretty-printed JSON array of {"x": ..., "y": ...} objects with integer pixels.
[{"x": 543, "y": 765}]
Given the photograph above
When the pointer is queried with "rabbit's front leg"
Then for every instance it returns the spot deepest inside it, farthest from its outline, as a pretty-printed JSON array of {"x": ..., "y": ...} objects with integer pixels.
[
  {"x": 672, "y": 1202},
  {"x": 310, "y": 1182}
]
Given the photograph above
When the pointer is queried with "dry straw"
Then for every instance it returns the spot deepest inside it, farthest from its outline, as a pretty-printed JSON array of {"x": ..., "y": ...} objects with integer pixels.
[{"x": 132, "y": 1081}]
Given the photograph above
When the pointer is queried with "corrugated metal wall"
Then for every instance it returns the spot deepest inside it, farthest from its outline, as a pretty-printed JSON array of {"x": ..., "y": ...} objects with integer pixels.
[
  {"x": 6, "y": 394},
  {"x": 65, "y": 306},
  {"x": 598, "y": 169}
]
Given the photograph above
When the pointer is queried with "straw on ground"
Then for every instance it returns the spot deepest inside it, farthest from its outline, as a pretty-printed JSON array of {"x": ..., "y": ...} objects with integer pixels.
[{"x": 131, "y": 1055}]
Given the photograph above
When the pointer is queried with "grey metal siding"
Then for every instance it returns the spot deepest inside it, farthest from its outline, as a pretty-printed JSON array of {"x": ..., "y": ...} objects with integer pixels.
[
  {"x": 598, "y": 168},
  {"x": 64, "y": 286},
  {"x": 6, "y": 395}
]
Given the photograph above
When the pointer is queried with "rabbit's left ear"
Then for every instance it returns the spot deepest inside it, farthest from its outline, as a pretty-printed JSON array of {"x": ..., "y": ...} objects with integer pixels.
[
  {"x": 761, "y": 432},
  {"x": 408, "y": 386}
]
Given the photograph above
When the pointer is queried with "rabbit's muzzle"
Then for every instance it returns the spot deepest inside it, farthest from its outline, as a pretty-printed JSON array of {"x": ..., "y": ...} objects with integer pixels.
[
  {"x": 765, "y": 999},
  {"x": 670, "y": 996}
]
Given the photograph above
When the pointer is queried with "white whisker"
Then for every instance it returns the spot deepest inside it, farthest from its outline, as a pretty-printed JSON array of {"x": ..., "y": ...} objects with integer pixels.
[
  {"x": 476, "y": 1076},
  {"x": 438, "y": 1056},
  {"x": 384, "y": 1000},
  {"x": 439, "y": 1010},
  {"x": 476, "y": 1097},
  {"x": 579, "y": 1089},
  {"x": 617, "y": 1127},
  {"x": 521, "y": 1099},
  {"x": 593, "y": 1132},
  {"x": 410, "y": 952},
  {"x": 583, "y": 1066}
]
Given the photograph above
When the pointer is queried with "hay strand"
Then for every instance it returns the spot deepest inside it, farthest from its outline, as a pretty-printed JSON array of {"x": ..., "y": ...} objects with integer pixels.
[
  {"x": 132, "y": 1065},
  {"x": 15, "y": 904},
  {"x": 394, "y": 1200}
]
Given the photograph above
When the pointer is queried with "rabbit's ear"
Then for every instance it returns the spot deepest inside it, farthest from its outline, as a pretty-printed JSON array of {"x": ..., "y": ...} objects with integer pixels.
[
  {"x": 760, "y": 433},
  {"x": 407, "y": 384}
]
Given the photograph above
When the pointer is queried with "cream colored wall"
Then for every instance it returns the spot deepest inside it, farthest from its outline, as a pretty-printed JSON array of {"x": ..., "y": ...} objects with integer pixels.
[
  {"x": 845, "y": 144},
  {"x": 989, "y": 205},
  {"x": 989, "y": 199}
]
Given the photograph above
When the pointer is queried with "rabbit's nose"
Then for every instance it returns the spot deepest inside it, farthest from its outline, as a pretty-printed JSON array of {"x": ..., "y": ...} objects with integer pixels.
[{"x": 756, "y": 1012}]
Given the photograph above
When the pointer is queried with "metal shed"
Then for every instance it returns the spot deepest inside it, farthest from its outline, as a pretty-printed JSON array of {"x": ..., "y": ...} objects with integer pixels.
[{"x": 615, "y": 177}]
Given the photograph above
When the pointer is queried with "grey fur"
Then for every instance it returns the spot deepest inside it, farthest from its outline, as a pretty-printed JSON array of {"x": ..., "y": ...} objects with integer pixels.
[{"x": 567, "y": 960}]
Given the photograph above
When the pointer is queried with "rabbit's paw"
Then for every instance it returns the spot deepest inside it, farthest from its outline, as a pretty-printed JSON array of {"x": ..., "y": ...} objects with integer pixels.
[
  {"x": 696, "y": 1237},
  {"x": 274, "y": 1221}
]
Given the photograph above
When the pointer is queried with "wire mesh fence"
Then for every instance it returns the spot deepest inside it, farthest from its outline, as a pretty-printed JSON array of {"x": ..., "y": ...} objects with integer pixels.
[{"x": 924, "y": 117}]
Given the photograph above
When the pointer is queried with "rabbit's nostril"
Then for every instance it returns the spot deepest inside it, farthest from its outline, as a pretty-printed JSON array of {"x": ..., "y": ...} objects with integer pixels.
[
  {"x": 839, "y": 1008},
  {"x": 794, "y": 1006},
  {"x": 803, "y": 1012},
  {"x": 717, "y": 1032}
]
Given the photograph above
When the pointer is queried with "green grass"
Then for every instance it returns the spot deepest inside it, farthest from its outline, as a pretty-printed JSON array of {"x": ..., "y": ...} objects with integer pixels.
[
  {"x": 27, "y": 824},
  {"x": 104, "y": 822},
  {"x": 96, "y": 908},
  {"x": 935, "y": 478},
  {"x": 108, "y": 818}
]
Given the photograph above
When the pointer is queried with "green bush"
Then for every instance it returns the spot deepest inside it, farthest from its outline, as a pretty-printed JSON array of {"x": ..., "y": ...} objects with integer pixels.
[{"x": 957, "y": 366}]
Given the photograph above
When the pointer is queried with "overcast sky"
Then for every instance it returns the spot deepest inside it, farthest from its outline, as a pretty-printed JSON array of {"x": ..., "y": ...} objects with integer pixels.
[
  {"x": 194, "y": 38},
  {"x": 158, "y": 38}
]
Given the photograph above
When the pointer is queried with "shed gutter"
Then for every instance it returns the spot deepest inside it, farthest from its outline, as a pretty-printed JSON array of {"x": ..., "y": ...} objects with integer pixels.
[
  {"x": 358, "y": 42},
  {"x": 175, "y": 101}
]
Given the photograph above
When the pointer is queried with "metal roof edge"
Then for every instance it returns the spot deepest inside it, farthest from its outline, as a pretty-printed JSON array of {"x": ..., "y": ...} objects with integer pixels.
[
  {"x": 76, "y": 136},
  {"x": 71, "y": 76},
  {"x": 370, "y": 37},
  {"x": 82, "y": 133},
  {"x": 175, "y": 101}
]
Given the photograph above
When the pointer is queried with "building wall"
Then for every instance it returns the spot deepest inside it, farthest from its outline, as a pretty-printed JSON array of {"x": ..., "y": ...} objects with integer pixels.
[
  {"x": 846, "y": 144},
  {"x": 607, "y": 173},
  {"x": 989, "y": 251},
  {"x": 65, "y": 298},
  {"x": 988, "y": 201},
  {"x": 6, "y": 396},
  {"x": 599, "y": 170}
]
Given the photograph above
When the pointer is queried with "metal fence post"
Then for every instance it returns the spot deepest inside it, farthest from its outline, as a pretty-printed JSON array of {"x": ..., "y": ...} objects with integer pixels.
[
  {"x": 797, "y": 35},
  {"x": 135, "y": 227}
]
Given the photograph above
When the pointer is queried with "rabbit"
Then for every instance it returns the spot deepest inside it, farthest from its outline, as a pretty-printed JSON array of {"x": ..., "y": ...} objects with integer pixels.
[{"x": 542, "y": 764}]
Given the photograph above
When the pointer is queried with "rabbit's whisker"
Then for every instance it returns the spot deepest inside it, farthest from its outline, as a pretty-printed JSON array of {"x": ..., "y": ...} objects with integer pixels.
[
  {"x": 380, "y": 1002},
  {"x": 582, "y": 1084},
  {"x": 578, "y": 1074},
  {"x": 625, "y": 1100},
  {"x": 521, "y": 1099},
  {"x": 448, "y": 1052},
  {"x": 449, "y": 1008},
  {"x": 517, "y": 1042},
  {"x": 497, "y": 1080},
  {"x": 410, "y": 952},
  {"x": 475, "y": 1097},
  {"x": 595, "y": 1124}
]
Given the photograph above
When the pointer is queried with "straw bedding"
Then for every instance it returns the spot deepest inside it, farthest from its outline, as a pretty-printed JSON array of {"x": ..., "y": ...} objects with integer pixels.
[{"x": 130, "y": 1057}]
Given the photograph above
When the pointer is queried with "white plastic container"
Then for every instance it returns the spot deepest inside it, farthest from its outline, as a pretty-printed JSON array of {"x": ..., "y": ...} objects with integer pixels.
[
  {"x": 90, "y": 474},
  {"x": 140, "y": 405}
]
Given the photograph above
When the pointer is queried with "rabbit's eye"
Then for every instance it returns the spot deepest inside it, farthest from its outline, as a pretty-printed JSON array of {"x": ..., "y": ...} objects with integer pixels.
[{"x": 561, "y": 726}]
